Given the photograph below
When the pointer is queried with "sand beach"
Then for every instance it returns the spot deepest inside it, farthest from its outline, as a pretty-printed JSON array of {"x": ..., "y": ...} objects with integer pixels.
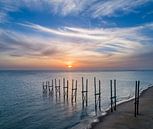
[{"x": 124, "y": 118}]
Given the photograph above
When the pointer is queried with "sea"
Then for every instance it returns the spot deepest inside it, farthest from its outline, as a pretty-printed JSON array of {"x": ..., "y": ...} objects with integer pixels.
[{"x": 25, "y": 105}]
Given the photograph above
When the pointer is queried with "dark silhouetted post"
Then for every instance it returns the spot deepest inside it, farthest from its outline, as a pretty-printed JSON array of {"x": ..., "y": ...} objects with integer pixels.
[
  {"x": 84, "y": 93},
  {"x": 136, "y": 103},
  {"x": 43, "y": 85},
  {"x": 76, "y": 85},
  {"x": 115, "y": 94},
  {"x": 57, "y": 88},
  {"x": 65, "y": 89},
  {"x": 74, "y": 91},
  {"x": 97, "y": 95},
  {"x": 59, "y": 84},
  {"x": 138, "y": 98},
  {"x": 51, "y": 88},
  {"x": 111, "y": 96}
]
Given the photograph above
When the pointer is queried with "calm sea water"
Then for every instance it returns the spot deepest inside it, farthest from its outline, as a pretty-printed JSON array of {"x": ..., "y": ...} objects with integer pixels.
[{"x": 24, "y": 106}]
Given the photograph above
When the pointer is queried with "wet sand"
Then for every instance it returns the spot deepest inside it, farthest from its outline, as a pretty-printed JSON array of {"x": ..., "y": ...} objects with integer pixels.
[{"x": 124, "y": 118}]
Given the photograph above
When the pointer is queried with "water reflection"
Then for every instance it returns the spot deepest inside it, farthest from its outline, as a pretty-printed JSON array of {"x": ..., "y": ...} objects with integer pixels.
[{"x": 84, "y": 113}]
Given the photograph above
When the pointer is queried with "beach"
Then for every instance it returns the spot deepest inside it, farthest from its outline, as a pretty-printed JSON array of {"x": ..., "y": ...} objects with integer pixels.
[{"x": 124, "y": 118}]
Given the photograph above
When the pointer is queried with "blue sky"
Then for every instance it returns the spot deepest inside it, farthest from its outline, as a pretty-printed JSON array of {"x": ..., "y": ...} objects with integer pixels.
[{"x": 95, "y": 34}]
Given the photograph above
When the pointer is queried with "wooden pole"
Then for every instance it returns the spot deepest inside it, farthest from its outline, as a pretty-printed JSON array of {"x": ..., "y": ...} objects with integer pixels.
[
  {"x": 72, "y": 96},
  {"x": 135, "y": 103},
  {"x": 82, "y": 92},
  {"x": 111, "y": 95},
  {"x": 52, "y": 86},
  {"x": 67, "y": 88},
  {"x": 138, "y": 97},
  {"x": 86, "y": 92},
  {"x": 95, "y": 94},
  {"x": 59, "y": 87},
  {"x": 115, "y": 94},
  {"x": 46, "y": 84},
  {"x": 64, "y": 89},
  {"x": 99, "y": 95},
  {"x": 63, "y": 86},
  {"x": 43, "y": 85},
  {"x": 75, "y": 90},
  {"x": 49, "y": 87}
]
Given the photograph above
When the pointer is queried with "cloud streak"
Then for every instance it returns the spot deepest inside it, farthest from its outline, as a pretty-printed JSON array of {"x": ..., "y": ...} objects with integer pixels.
[
  {"x": 109, "y": 47},
  {"x": 92, "y": 8},
  {"x": 123, "y": 37},
  {"x": 112, "y": 8}
]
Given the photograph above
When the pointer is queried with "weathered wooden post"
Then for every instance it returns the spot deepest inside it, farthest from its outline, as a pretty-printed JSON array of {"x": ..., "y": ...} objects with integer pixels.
[
  {"x": 113, "y": 95},
  {"x": 76, "y": 85},
  {"x": 136, "y": 99},
  {"x": 43, "y": 86},
  {"x": 59, "y": 84},
  {"x": 97, "y": 95},
  {"x": 57, "y": 88},
  {"x": 48, "y": 85},
  {"x": 51, "y": 88},
  {"x": 74, "y": 91},
  {"x": 84, "y": 93},
  {"x": 65, "y": 89},
  {"x": 52, "y": 85}
]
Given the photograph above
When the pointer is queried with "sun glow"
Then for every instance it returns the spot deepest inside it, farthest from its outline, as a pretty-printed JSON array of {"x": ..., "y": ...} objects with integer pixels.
[{"x": 69, "y": 66}]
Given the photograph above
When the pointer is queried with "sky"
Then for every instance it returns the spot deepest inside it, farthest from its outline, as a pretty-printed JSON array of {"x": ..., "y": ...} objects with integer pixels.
[{"x": 76, "y": 34}]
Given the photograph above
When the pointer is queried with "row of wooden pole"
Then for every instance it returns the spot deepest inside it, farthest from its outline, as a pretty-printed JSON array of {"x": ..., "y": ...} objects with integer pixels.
[
  {"x": 97, "y": 92},
  {"x": 47, "y": 87}
]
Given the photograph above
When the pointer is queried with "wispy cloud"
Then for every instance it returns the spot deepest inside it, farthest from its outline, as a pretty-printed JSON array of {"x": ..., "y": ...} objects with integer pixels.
[
  {"x": 6, "y": 6},
  {"x": 95, "y": 8},
  {"x": 92, "y": 8},
  {"x": 115, "y": 7},
  {"x": 100, "y": 47},
  {"x": 66, "y": 7},
  {"x": 124, "y": 36}
]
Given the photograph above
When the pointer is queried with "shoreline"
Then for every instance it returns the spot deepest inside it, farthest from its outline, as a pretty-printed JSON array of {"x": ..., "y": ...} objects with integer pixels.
[{"x": 123, "y": 109}]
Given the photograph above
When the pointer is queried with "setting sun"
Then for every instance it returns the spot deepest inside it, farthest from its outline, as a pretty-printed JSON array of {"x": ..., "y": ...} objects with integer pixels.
[{"x": 69, "y": 66}]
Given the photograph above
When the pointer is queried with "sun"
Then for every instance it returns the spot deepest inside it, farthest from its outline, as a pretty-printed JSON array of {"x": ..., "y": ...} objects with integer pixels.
[{"x": 69, "y": 66}]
